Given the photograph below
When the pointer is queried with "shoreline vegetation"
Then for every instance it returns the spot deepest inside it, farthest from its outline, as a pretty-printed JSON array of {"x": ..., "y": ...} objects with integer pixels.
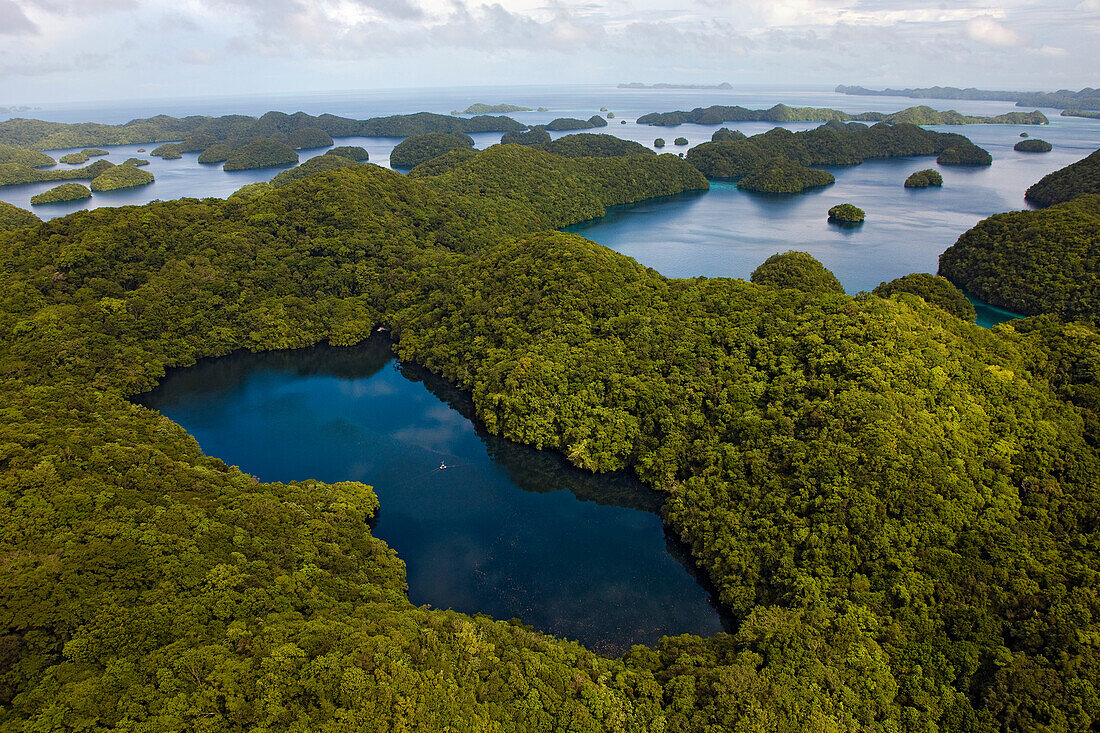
[
  {"x": 1087, "y": 98},
  {"x": 922, "y": 115},
  {"x": 897, "y": 508}
]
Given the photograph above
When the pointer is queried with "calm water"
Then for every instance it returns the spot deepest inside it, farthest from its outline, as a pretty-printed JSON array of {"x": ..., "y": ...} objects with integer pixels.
[{"x": 505, "y": 530}]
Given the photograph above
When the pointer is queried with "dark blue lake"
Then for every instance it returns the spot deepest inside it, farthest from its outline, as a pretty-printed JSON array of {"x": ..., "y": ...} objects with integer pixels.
[{"x": 504, "y": 529}]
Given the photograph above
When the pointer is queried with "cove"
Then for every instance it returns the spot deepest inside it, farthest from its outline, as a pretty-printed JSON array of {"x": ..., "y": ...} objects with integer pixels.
[{"x": 504, "y": 529}]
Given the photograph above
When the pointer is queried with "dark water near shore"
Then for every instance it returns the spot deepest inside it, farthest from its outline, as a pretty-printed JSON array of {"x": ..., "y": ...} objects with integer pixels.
[{"x": 505, "y": 529}]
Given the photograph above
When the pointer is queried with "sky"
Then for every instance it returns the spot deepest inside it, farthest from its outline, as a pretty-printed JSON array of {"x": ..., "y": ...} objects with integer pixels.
[{"x": 62, "y": 50}]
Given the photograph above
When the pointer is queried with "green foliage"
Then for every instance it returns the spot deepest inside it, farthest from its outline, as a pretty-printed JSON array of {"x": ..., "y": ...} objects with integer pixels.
[
  {"x": 899, "y": 508},
  {"x": 169, "y": 151},
  {"x": 492, "y": 109},
  {"x": 924, "y": 179},
  {"x": 308, "y": 137},
  {"x": 318, "y": 164},
  {"x": 219, "y": 152},
  {"x": 593, "y": 145},
  {"x": 16, "y": 173},
  {"x": 680, "y": 141},
  {"x": 797, "y": 270},
  {"x": 135, "y": 162},
  {"x": 1033, "y": 262},
  {"x": 969, "y": 154},
  {"x": 536, "y": 136},
  {"x": 724, "y": 133},
  {"x": 64, "y": 192},
  {"x": 597, "y": 121},
  {"x": 933, "y": 289},
  {"x": 833, "y": 143},
  {"x": 659, "y": 142},
  {"x": 1063, "y": 185},
  {"x": 1034, "y": 145},
  {"x": 74, "y": 158},
  {"x": 922, "y": 115},
  {"x": 24, "y": 157},
  {"x": 351, "y": 152},
  {"x": 443, "y": 163},
  {"x": 259, "y": 153},
  {"x": 121, "y": 176},
  {"x": 780, "y": 175},
  {"x": 415, "y": 149},
  {"x": 252, "y": 190},
  {"x": 846, "y": 213},
  {"x": 570, "y": 123},
  {"x": 12, "y": 217}
]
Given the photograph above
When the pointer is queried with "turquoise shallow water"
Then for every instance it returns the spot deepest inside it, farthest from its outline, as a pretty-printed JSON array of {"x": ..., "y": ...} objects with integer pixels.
[{"x": 503, "y": 529}]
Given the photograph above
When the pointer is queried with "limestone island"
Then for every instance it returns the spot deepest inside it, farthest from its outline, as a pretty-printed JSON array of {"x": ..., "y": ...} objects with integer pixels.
[
  {"x": 846, "y": 214},
  {"x": 781, "y": 175},
  {"x": 351, "y": 152},
  {"x": 1034, "y": 145},
  {"x": 492, "y": 109},
  {"x": 924, "y": 179},
  {"x": 64, "y": 192},
  {"x": 260, "y": 153},
  {"x": 965, "y": 155},
  {"x": 121, "y": 176},
  {"x": 415, "y": 149},
  {"x": 680, "y": 141}
]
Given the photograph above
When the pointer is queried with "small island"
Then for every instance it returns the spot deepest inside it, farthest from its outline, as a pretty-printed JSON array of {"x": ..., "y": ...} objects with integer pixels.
[
  {"x": 135, "y": 162},
  {"x": 846, "y": 214},
  {"x": 781, "y": 175},
  {"x": 680, "y": 141},
  {"x": 82, "y": 156},
  {"x": 260, "y": 153},
  {"x": 965, "y": 155},
  {"x": 64, "y": 192},
  {"x": 493, "y": 109},
  {"x": 724, "y": 133},
  {"x": 351, "y": 152},
  {"x": 168, "y": 151},
  {"x": 659, "y": 142},
  {"x": 535, "y": 136},
  {"x": 416, "y": 149},
  {"x": 1034, "y": 145},
  {"x": 924, "y": 179},
  {"x": 121, "y": 176}
]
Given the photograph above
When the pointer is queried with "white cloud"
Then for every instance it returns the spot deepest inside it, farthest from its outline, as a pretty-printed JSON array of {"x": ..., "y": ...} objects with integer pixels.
[
  {"x": 1053, "y": 51},
  {"x": 988, "y": 31}
]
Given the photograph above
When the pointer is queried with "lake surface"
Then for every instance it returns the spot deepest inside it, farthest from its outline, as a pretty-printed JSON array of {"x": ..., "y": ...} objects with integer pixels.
[{"x": 504, "y": 529}]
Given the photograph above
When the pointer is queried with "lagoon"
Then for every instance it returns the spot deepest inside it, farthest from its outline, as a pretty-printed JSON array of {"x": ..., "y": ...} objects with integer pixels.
[{"x": 484, "y": 525}]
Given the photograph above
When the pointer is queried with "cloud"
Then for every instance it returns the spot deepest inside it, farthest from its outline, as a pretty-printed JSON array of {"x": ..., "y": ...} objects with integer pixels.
[
  {"x": 13, "y": 22},
  {"x": 198, "y": 57},
  {"x": 988, "y": 31},
  {"x": 1053, "y": 51}
]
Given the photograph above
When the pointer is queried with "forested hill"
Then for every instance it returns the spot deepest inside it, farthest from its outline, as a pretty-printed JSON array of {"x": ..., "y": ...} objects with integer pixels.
[
  {"x": 718, "y": 114},
  {"x": 1087, "y": 98},
  {"x": 834, "y": 143},
  {"x": 40, "y": 135},
  {"x": 900, "y": 508}
]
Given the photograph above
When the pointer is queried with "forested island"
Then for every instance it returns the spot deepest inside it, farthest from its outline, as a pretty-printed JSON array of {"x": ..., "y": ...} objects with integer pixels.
[
  {"x": 782, "y": 175},
  {"x": 1035, "y": 262},
  {"x": 491, "y": 109},
  {"x": 847, "y": 214},
  {"x": 899, "y": 509},
  {"x": 924, "y": 179},
  {"x": 1087, "y": 98},
  {"x": 718, "y": 114},
  {"x": 1034, "y": 145},
  {"x": 121, "y": 176},
  {"x": 834, "y": 143},
  {"x": 416, "y": 149},
  {"x": 64, "y": 192}
]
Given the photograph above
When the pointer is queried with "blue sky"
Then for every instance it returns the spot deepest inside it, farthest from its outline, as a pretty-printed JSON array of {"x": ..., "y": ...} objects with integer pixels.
[{"x": 62, "y": 50}]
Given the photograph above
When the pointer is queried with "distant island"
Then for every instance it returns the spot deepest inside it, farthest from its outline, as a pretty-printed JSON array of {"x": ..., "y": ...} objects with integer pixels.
[
  {"x": 639, "y": 85},
  {"x": 1087, "y": 98},
  {"x": 920, "y": 115},
  {"x": 1080, "y": 113},
  {"x": 491, "y": 109}
]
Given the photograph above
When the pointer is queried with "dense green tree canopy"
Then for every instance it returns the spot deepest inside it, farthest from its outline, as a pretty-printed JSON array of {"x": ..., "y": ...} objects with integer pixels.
[
  {"x": 846, "y": 213},
  {"x": 1033, "y": 262},
  {"x": 964, "y": 155},
  {"x": 594, "y": 145},
  {"x": 121, "y": 176},
  {"x": 900, "y": 509},
  {"x": 570, "y": 123},
  {"x": 834, "y": 143},
  {"x": 314, "y": 165},
  {"x": 924, "y": 179},
  {"x": 16, "y": 173},
  {"x": 724, "y": 133},
  {"x": 351, "y": 152},
  {"x": 416, "y": 149},
  {"x": 779, "y": 175},
  {"x": 921, "y": 115},
  {"x": 934, "y": 289},
  {"x": 259, "y": 153},
  {"x": 1034, "y": 145},
  {"x": 1063, "y": 185},
  {"x": 24, "y": 157},
  {"x": 64, "y": 192},
  {"x": 308, "y": 137},
  {"x": 12, "y": 217},
  {"x": 798, "y": 270},
  {"x": 535, "y": 136}
]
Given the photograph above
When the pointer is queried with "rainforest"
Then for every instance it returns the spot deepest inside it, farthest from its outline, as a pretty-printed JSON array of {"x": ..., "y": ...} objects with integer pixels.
[{"x": 898, "y": 508}]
